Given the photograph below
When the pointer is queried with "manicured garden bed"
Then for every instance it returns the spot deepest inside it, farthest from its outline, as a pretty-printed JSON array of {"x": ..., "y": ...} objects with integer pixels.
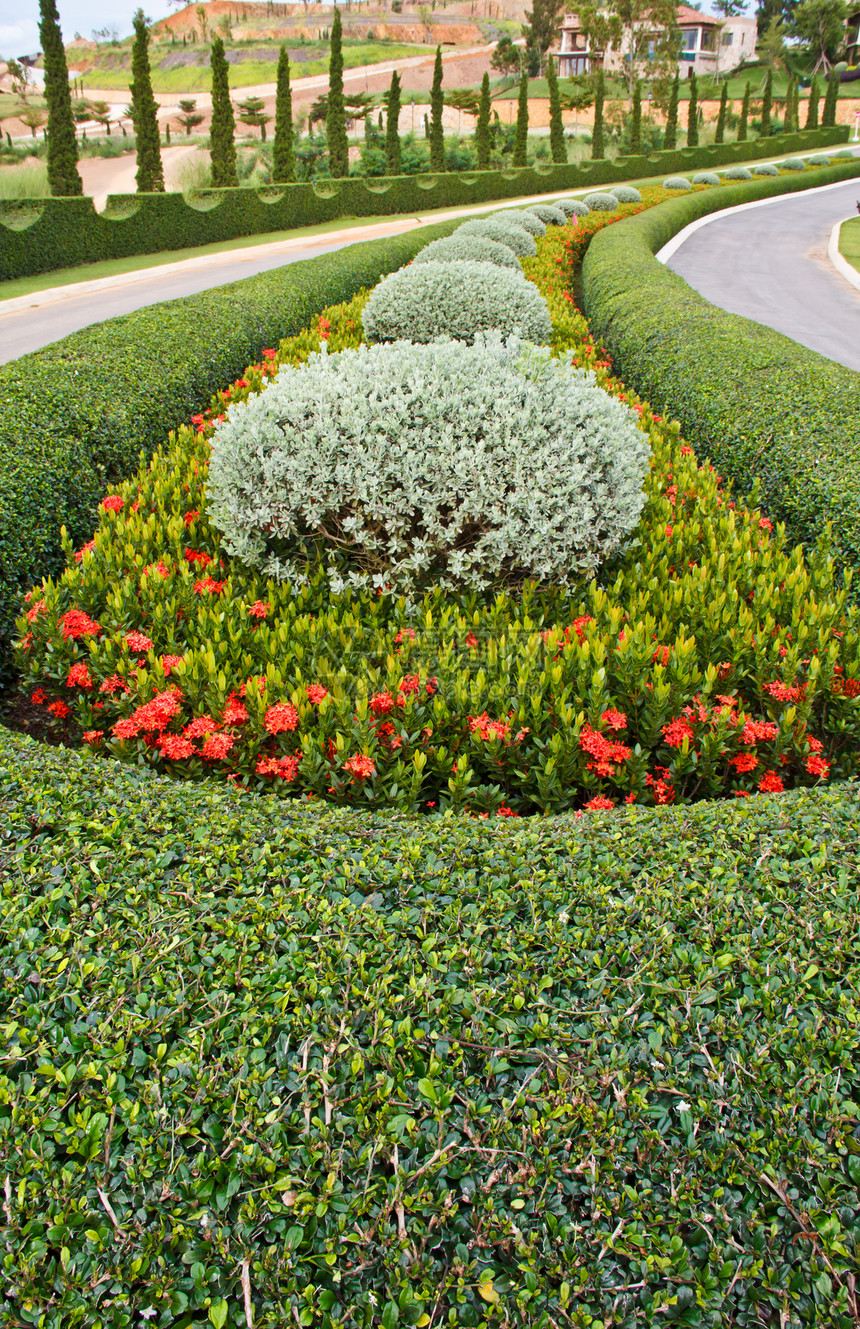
[{"x": 272, "y": 1061}]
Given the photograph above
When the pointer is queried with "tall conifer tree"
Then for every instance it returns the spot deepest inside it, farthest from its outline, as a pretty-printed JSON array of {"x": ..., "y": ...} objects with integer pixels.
[
  {"x": 636, "y": 121},
  {"x": 437, "y": 129},
  {"x": 720, "y": 134},
  {"x": 670, "y": 136},
  {"x": 521, "y": 142},
  {"x": 828, "y": 114},
  {"x": 693, "y": 115},
  {"x": 63, "y": 178},
  {"x": 812, "y": 108},
  {"x": 743, "y": 127},
  {"x": 150, "y": 173},
  {"x": 392, "y": 127},
  {"x": 767, "y": 105},
  {"x": 222, "y": 147},
  {"x": 483, "y": 139},
  {"x": 283, "y": 155},
  {"x": 557, "y": 145},
  {"x": 597, "y": 148},
  {"x": 335, "y": 121}
]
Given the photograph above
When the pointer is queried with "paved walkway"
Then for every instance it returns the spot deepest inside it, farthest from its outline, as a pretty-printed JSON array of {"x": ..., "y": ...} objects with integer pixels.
[{"x": 769, "y": 263}]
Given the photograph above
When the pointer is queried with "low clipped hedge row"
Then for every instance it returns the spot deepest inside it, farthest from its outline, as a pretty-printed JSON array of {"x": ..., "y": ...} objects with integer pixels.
[
  {"x": 44, "y": 234},
  {"x": 77, "y": 414},
  {"x": 761, "y": 406},
  {"x": 288, "y": 1065}
]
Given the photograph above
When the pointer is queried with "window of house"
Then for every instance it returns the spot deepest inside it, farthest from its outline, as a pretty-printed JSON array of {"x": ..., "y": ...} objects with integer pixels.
[
  {"x": 688, "y": 39},
  {"x": 728, "y": 38},
  {"x": 707, "y": 42}
]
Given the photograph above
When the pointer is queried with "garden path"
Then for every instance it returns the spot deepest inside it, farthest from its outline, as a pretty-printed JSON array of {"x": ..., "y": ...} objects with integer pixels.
[{"x": 768, "y": 262}]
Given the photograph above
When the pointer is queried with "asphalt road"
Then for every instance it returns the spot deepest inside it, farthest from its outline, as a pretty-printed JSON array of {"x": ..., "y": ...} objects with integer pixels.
[
  {"x": 770, "y": 264},
  {"x": 26, "y": 330}
]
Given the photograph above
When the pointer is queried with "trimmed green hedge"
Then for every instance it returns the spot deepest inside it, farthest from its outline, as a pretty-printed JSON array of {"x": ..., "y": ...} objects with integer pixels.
[
  {"x": 754, "y": 401},
  {"x": 408, "y": 1072},
  {"x": 41, "y": 235},
  {"x": 77, "y": 414}
]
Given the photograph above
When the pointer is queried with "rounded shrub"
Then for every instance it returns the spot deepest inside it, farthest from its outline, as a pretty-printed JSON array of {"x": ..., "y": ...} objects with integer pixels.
[
  {"x": 475, "y": 248},
  {"x": 547, "y": 213},
  {"x": 529, "y": 221},
  {"x": 601, "y": 202},
  {"x": 793, "y": 164},
  {"x": 450, "y": 464},
  {"x": 434, "y": 301},
  {"x": 820, "y": 159},
  {"x": 572, "y": 207},
  {"x": 706, "y": 178},
  {"x": 765, "y": 169},
  {"x": 506, "y": 233},
  {"x": 626, "y": 194},
  {"x": 738, "y": 173},
  {"x": 844, "y": 154},
  {"x": 677, "y": 182}
]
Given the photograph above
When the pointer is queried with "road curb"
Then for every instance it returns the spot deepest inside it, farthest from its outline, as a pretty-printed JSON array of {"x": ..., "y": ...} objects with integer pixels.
[{"x": 842, "y": 266}]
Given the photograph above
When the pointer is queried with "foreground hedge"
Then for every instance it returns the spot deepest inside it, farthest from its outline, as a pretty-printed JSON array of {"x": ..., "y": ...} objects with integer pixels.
[
  {"x": 754, "y": 401},
  {"x": 325, "y": 1068},
  {"x": 44, "y": 234},
  {"x": 77, "y": 414}
]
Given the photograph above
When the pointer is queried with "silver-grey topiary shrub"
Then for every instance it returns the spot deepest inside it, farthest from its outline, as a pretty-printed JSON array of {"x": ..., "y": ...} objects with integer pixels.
[
  {"x": 738, "y": 173},
  {"x": 573, "y": 207},
  {"x": 844, "y": 154},
  {"x": 677, "y": 182},
  {"x": 765, "y": 168},
  {"x": 477, "y": 248},
  {"x": 453, "y": 464},
  {"x": 506, "y": 233},
  {"x": 626, "y": 194},
  {"x": 793, "y": 164},
  {"x": 706, "y": 178},
  {"x": 529, "y": 221},
  {"x": 601, "y": 202},
  {"x": 820, "y": 159},
  {"x": 437, "y": 301},
  {"x": 548, "y": 214}
]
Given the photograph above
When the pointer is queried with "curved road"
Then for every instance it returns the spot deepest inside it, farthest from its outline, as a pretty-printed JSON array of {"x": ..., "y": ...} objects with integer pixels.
[{"x": 769, "y": 263}]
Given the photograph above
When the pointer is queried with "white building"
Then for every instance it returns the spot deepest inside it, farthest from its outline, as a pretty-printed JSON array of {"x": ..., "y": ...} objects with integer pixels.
[{"x": 708, "y": 45}]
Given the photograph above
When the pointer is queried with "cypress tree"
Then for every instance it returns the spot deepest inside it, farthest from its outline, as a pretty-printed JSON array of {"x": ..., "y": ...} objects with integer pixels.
[
  {"x": 767, "y": 105},
  {"x": 392, "y": 129},
  {"x": 335, "y": 121},
  {"x": 721, "y": 118},
  {"x": 636, "y": 120},
  {"x": 283, "y": 157},
  {"x": 792, "y": 115},
  {"x": 828, "y": 114},
  {"x": 812, "y": 108},
  {"x": 521, "y": 142},
  {"x": 557, "y": 145},
  {"x": 745, "y": 116},
  {"x": 437, "y": 129},
  {"x": 150, "y": 174},
  {"x": 483, "y": 142},
  {"x": 670, "y": 136},
  {"x": 221, "y": 145},
  {"x": 63, "y": 178},
  {"x": 693, "y": 115},
  {"x": 597, "y": 131}
]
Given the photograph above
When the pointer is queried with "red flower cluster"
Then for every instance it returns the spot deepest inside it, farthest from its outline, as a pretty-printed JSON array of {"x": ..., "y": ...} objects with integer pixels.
[
  {"x": 360, "y": 768},
  {"x": 152, "y": 716},
  {"x": 485, "y": 728},
  {"x": 676, "y": 731},
  {"x": 198, "y": 556},
  {"x": 785, "y": 691},
  {"x": 234, "y": 711},
  {"x": 286, "y": 768},
  {"x": 259, "y": 609},
  {"x": 138, "y": 642},
  {"x": 75, "y": 623},
  {"x": 281, "y": 718},
  {"x": 113, "y": 503},
  {"x": 208, "y": 584},
  {"x": 316, "y": 693},
  {"x": 85, "y": 549},
  {"x": 114, "y": 683},
  {"x": 605, "y": 753},
  {"x": 79, "y": 677}
]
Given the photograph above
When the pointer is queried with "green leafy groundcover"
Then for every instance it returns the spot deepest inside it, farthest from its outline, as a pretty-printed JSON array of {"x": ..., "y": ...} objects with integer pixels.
[{"x": 364, "y": 1070}]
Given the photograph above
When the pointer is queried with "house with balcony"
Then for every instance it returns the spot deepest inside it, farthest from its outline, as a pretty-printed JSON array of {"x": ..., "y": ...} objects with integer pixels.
[{"x": 707, "y": 45}]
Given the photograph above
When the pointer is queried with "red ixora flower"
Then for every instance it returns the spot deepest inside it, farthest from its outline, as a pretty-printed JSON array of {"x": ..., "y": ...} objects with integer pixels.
[
  {"x": 114, "y": 683},
  {"x": 770, "y": 783},
  {"x": 60, "y": 709},
  {"x": 93, "y": 736},
  {"x": 38, "y": 608},
  {"x": 614, "y": 720},
  {"x": 203, "y": 724},
  {"x": 113, "y": 503},
  {"x": 381, "y": 703},
  {"x": 85, "y": 549},
  {"x": 208, "y": 584},
  {"x": 79, "y": 677},
  {"x": 281, "y": 718},
  {"x": 138, "y": 642},
  {"x": 174, "y": 746},
  {"x": 198, "y": 556},
  {"x": 75, "y": 623},
  {"x": 676, "y": 731},
  {"x": 316, "y": 693},
  {"x": 324, "y": 327},
  {"x": 270, "y": 354},
  {"x": 784, "y": 691},
  {"x": 599, "y": 804},
  {"x": 217, "y": 747},
  {"x": 744, "y": 761},
  {"x": 483, "y": 727},
  {"x": 235, "y": 712},
  {"x": 190, "y": 517},
  {"x": 169, "y": 662},
  {"x": 259, "y": 609},
  {"x": 817, "y": 765},
  {"x": 285, "y": 768},
  {"x": 360, "y": 768}
]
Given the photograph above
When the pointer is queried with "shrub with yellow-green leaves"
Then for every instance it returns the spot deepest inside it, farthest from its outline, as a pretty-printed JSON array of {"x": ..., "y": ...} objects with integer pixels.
[{"x": 706, "y": 660}]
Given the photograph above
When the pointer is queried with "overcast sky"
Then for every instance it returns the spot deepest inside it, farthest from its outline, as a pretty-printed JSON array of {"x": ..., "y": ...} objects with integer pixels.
[{"x": 19, "y": 23}]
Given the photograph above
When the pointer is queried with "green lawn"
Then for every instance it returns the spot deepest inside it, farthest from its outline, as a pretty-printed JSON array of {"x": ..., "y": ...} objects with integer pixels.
[
  {"x": 249, "y": 73},
  {"x": 849, "y": 242}
]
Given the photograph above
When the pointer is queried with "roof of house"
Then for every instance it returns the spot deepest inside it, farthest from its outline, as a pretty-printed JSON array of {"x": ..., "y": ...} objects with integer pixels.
[{"x": 688, "y": 16}]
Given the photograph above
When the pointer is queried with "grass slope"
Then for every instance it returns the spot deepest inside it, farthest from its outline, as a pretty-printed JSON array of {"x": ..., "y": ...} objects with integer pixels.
[{"x": 849, "y": 242}]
